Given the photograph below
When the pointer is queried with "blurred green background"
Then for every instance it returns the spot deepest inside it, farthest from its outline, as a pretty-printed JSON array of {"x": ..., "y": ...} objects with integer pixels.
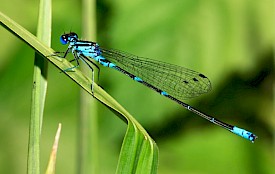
[{"x": 230, "y": 41}]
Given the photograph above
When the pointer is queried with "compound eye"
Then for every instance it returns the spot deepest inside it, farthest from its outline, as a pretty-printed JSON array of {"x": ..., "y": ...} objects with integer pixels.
[{"x": 63, "y": 40}]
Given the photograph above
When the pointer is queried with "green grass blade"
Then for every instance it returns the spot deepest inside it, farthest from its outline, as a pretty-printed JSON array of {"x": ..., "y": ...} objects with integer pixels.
[
  {"x": 139, "y": 153},
  {"x": 87, "y": 161},
  {"x": 41, "y": 65},
  {"x": 138, "y": 146},
  {"x": 39, "y": 88}
]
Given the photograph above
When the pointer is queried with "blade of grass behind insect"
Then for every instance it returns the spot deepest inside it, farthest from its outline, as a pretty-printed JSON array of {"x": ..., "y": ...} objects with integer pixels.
[
  {"x": 39, "y": 88},
  {"x": 87, "y": 161}
]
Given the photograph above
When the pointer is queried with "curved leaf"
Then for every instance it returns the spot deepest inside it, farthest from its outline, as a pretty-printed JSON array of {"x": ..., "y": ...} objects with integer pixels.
[{"x": 139, "y": 152}]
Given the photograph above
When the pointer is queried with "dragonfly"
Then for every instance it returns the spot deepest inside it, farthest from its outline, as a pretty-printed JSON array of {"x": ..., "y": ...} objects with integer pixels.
[{"x": 172, "y": 81}]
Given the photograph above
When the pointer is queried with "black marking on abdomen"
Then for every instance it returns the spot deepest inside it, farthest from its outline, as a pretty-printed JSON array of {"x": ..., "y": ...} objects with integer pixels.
[
  {"x": 143, "y": 82},
  {"x": 125, "y": 72}
]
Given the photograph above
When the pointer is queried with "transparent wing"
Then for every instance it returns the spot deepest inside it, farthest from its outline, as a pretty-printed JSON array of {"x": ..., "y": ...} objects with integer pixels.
[{"x": 177, "y": 81}]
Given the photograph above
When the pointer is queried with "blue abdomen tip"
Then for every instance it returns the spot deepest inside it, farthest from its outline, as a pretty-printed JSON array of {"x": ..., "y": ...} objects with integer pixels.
[{"x": 244, "y": 133}]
